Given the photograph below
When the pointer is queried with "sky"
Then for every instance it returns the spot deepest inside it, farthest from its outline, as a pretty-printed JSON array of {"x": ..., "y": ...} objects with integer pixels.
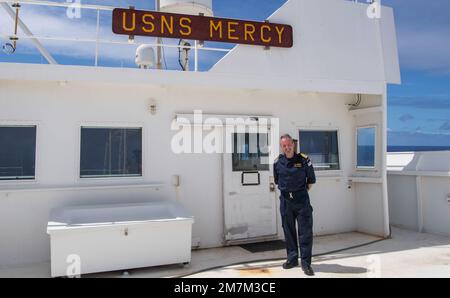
[{"x": 418, "y": 109}]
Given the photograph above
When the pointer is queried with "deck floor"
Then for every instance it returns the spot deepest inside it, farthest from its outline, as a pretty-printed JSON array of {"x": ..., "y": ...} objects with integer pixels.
[{"x": 407, "y": 254}]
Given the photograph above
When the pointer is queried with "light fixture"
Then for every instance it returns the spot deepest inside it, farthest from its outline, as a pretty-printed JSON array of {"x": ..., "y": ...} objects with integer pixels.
[{"x": 153, "y": 107}]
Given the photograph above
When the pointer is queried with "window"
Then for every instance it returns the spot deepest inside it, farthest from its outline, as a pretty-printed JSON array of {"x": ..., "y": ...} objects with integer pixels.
[
  {"x": 17, "y": 152},
  {"x": 366, "y": 147},
  {"x": 111, "y": 152},
  {"x": 248, "y": 151},
  {"x": 322, "y": 148}
]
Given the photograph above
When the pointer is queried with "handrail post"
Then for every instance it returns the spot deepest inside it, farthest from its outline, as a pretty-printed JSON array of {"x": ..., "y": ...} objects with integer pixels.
[{"x": 97, "y": 37}]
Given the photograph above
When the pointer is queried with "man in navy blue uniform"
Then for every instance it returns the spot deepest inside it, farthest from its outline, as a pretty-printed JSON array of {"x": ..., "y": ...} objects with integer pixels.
[{"x": 294, "y": 175}]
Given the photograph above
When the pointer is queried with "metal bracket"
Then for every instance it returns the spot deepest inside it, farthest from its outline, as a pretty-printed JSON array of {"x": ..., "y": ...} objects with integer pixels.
[
  {"x": 14, "y": 38},
  {"x": 201, "y": 43},
  {"x": 266, "y": 48},
  {"x": 131, "y": 37}
]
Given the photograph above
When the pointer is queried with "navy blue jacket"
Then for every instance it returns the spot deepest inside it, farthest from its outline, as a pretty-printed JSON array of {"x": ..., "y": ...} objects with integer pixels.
[{"x": 293, "y": 174}]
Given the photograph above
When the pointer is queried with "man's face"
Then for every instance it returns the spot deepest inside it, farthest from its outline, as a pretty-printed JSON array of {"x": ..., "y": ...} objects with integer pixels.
[{"x": 287, "y": 146}]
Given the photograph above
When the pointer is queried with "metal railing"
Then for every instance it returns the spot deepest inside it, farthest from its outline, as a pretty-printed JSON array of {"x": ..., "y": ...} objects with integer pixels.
[{"x": 97, "y": 40}]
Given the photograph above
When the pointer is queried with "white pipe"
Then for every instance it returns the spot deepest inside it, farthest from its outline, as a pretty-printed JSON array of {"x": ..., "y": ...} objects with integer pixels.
[
  {"x": 384, "y": 140},
  {"x": 27, "y": 31},
  {"x": 196, "y": 55},
  {"x": 419, "y": 203},
  {"x": 385, "y": 198},
  {"x": 97, "y": 37}
]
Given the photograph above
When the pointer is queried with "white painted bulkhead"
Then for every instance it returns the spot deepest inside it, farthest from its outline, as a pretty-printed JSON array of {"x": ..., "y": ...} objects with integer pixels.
[
  {"x": 59, "y": 110},
  {"x": 336, "y": 56},
  {"x": 419, "y": 191}
]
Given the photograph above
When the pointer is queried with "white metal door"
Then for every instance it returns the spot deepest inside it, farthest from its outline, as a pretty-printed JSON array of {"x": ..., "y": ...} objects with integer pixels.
[{"x": 249, "y": 203}]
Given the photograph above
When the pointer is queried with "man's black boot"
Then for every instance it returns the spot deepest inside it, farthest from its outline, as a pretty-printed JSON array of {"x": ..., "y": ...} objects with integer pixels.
[
  {"x": 290, "y": 265},
  {"x": 308, "y": 270}
]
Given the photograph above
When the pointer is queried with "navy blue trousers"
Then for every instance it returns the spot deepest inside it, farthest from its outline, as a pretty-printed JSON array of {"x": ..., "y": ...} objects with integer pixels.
[{"x": 297, "y": 210}]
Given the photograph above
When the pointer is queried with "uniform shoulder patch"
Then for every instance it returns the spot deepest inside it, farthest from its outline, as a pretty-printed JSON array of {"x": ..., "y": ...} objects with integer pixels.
[{"x": 306, "y": 158}]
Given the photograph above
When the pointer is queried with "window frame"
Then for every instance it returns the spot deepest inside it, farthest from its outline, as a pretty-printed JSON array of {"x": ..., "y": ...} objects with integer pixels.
[
  {"x": 110, "y": 125},
  {"x": 37, "y": 171},
  {"x": 262, "y": 156},
  {"x": 331, "y": 173},
  {"x": 366, "y": 168}
]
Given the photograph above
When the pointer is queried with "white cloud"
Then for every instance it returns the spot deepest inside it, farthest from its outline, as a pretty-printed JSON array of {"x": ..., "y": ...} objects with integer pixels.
[
  {"x": 406, "y": 117},
  {"x": 423, "y": 30},
  {"x": 55, "y": 23},
  {"x": 445, "y": 126},
  {"x": 414, "y": 138},
  {"x": 427, "y": 49}
]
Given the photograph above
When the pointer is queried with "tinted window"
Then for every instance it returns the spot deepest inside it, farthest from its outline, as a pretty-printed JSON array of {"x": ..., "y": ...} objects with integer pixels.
[
  {"x": 248, "y": 151},
  {"x": 322, "y": 148},
  {"x": 17, "y": 152},
  {"x": 366, "y": 147},
  {"x": 111, "y": 152}
]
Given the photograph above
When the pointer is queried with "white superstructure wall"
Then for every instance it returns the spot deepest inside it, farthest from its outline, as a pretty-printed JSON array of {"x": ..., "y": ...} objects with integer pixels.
[
  {"x": 338, "y": 53},
  {"x": 334, "y": 40},
  {"x": 419, "y": 191},
  {"x": 60, "y": 109}
]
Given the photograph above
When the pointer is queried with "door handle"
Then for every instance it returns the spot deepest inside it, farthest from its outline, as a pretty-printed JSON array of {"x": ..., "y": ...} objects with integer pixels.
[{"x": 272, "y": 187}]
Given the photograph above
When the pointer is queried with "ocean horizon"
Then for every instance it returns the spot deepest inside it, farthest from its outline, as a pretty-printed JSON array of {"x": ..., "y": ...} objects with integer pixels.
[{"x": 417, "y": 148}]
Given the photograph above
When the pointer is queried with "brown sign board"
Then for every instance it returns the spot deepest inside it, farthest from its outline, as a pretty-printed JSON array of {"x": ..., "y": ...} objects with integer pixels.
[{"x": 180, "y": 26}]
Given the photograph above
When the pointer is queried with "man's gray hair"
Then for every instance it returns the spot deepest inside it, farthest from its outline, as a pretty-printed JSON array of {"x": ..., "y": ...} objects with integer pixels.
[{"x": 286, "y": 136}]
